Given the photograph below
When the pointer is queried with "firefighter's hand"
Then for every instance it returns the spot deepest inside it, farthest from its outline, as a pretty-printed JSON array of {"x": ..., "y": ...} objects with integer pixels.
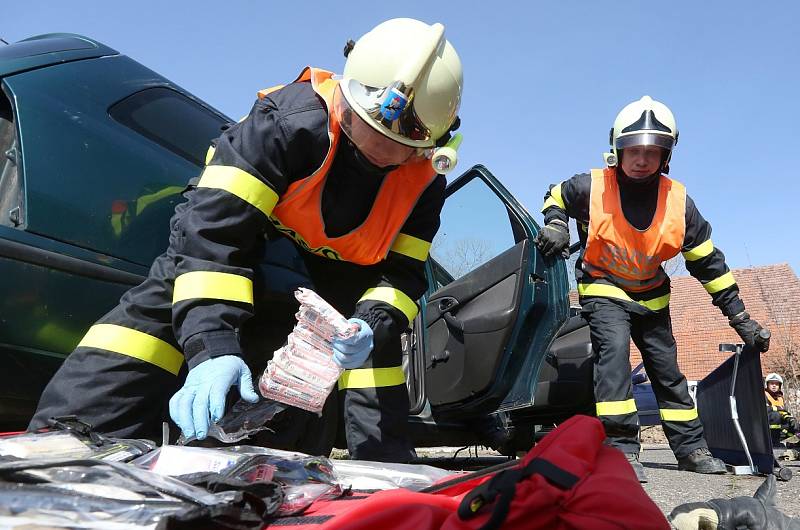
[
  {"x": 352, "y": 352},
  {"x": 553, "y": 239},
  {"x": 731, "y": 514},
  {"x": 204, "y": 392},
  {"x": 751, "y": 332}
]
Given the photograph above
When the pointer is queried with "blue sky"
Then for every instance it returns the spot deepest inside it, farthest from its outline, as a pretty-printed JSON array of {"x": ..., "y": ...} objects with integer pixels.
[{"x": 543, "y": 83}]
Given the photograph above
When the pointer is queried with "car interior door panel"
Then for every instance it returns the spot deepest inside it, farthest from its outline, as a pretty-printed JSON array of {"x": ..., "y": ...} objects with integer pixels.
[{"x": 469, "y": 322}]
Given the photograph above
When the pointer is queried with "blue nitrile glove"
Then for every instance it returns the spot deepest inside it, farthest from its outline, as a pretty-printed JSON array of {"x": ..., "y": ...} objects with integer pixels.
[
  {"x": 204, "y": 392},
  {"x": 353, "y": 352}
]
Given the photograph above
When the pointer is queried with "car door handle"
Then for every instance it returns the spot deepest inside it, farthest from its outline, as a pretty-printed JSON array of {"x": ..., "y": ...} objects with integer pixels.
[{"x": 453, "y": 322}]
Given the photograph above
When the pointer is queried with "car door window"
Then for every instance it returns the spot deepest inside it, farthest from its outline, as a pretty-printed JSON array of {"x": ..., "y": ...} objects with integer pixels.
[
  {"x": 475, "y": 227},
  {"x": 171, "y": 120}
]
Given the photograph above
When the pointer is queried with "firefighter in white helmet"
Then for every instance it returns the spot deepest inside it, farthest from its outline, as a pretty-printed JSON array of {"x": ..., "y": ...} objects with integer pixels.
[
  {"x": 781, "y": 423},
  {"x": 631, "y": 218},
  {"x": 343, "y": 175}
]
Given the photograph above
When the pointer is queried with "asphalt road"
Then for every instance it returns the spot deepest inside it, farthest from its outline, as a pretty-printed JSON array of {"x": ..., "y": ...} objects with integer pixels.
[{"x": 667, "y": 486}]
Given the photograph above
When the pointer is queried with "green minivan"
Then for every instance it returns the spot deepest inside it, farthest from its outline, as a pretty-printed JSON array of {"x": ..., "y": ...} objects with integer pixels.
[{"x": 96, "y": 150}]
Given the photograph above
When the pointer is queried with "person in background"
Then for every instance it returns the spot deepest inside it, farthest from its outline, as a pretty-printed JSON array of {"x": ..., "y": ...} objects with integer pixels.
[{"x": 631, "y": 219}]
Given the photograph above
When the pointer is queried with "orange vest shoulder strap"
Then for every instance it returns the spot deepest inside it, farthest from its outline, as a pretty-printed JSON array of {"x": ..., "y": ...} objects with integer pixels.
[{"x": 317, "y": 76}]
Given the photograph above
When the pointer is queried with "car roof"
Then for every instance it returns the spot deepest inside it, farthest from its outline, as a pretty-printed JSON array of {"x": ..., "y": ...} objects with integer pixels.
[{"x": 49, "y": 49}]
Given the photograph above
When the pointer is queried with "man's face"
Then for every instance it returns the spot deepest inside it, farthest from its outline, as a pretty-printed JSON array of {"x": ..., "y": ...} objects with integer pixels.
[
  {"x": 641, "y": 161},
  {"x": 773, "y": 386},
  {"x": 380, "y": 150}
]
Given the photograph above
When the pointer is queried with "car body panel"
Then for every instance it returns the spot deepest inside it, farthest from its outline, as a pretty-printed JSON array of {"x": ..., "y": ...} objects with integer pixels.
[
  {"x": 66, "y": 256},
  {"x": 78, "y": 163}
]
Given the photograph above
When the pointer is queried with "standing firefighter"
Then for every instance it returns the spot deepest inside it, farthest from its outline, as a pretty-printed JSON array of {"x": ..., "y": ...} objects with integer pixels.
[
  {"x": 631, "y": 218},
  {"x": 781, "y": 423},
  {"x": 327, "y": 183}
]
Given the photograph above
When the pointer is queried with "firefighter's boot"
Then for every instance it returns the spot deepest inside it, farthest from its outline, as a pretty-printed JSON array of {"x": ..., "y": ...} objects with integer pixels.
[
  {"x": 701, "y": 461},
  {"x": 638, "y": 468}
]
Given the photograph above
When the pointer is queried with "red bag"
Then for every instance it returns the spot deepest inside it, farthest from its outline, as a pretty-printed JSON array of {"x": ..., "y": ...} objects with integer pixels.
[{"x": 570, "y": 480}]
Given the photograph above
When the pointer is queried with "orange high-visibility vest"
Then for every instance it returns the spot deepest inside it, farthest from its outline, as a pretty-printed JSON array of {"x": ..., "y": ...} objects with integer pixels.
[
  {"x": 775, "y": 403},
  {"x": 298, "y": 213},
  {"x": 616, "y": 250}
]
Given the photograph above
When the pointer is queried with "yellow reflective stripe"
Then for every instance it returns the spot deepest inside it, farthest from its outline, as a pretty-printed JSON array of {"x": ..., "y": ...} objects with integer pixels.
[
  {"x": 611, "y": 291},
  {"x": 655, "y": 304},
  {"x": 146, "y": 200},
  {"x": 372, "y": 377},
  {"x": 219, "y": 285},
  {"x": 718, "y": 284},
  {"x": 393, "y": 297},
  {"x": 678, "y": 414},
  {"x": 210, "y": 153},
  {"x": 555, "y": 198},
  {"x": 700, "y": 251},
  {"x": 615, "y": 408},
  {"x": 132, "y": 343},
  {"x": 240, "y": 183},
  {"x": 411, "y": 246},
  {"x": 774, "y": 426}
]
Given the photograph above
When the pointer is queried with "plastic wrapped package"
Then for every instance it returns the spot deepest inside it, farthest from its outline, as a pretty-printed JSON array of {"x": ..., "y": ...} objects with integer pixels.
[
  {"x": 243, "y": 420},
  {"x": 90, "y": 493},
  {"x": 302, "y": 478},
  {"x": 69, "y": 444},
  {"x": 367, "y": 475},
  {"x": 302, "y": 373}
]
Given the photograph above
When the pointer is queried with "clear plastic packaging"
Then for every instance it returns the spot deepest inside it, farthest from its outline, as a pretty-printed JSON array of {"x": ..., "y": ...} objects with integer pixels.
[
  {"x": 69, "y": 444},
  {"x": 90, "y": 493},
  {"x": 302, "y": 373},
  {"x": 366, "y": 475},
  {"x": 243, "y": 420},
  {"x": 303, "y": 478}
]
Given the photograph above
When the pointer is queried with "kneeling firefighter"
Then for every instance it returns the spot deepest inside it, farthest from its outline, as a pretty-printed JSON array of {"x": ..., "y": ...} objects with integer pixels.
[
  {"x": 331, "y": 183},
  {"x": 631, "y": 218}
]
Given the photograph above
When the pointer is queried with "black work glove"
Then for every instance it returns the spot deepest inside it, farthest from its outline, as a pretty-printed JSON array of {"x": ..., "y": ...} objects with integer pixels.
[
  {"x": 553, "y": 239},
  {"x": 750, "y": 331},
  {"x": 757, "y": 512}
]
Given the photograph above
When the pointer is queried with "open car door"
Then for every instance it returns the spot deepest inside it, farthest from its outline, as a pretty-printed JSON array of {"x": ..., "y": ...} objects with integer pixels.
[{"x": 478, "y": 320}]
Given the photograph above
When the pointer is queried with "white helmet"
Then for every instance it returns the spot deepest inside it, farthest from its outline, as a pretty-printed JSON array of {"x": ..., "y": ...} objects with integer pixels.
[
  {"x": 643, "y": 122},
  {"x": 773, "y": 377},
  {"x": 404, "y": 79}
]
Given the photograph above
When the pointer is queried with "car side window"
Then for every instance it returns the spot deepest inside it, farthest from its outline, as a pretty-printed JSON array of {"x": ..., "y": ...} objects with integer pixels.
[
  {"x": 475, "y": 227},
  {"x": 10, "y": 183},
  {"x": 170, "y": 119}
]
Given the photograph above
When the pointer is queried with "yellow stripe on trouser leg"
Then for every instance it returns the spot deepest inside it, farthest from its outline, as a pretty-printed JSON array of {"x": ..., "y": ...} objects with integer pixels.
[
  {"x": 411, "y": 246},
  {"x": 395, "y": 298},
  {"x": 240, "y": 183},
  {"x": 678, "y": 414},
  {"x": 218, "y": 285},
  {"x": 133, "y": 343},
  {"x": 615, "y": 408},
  {"x": 372, "y": 377}
]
